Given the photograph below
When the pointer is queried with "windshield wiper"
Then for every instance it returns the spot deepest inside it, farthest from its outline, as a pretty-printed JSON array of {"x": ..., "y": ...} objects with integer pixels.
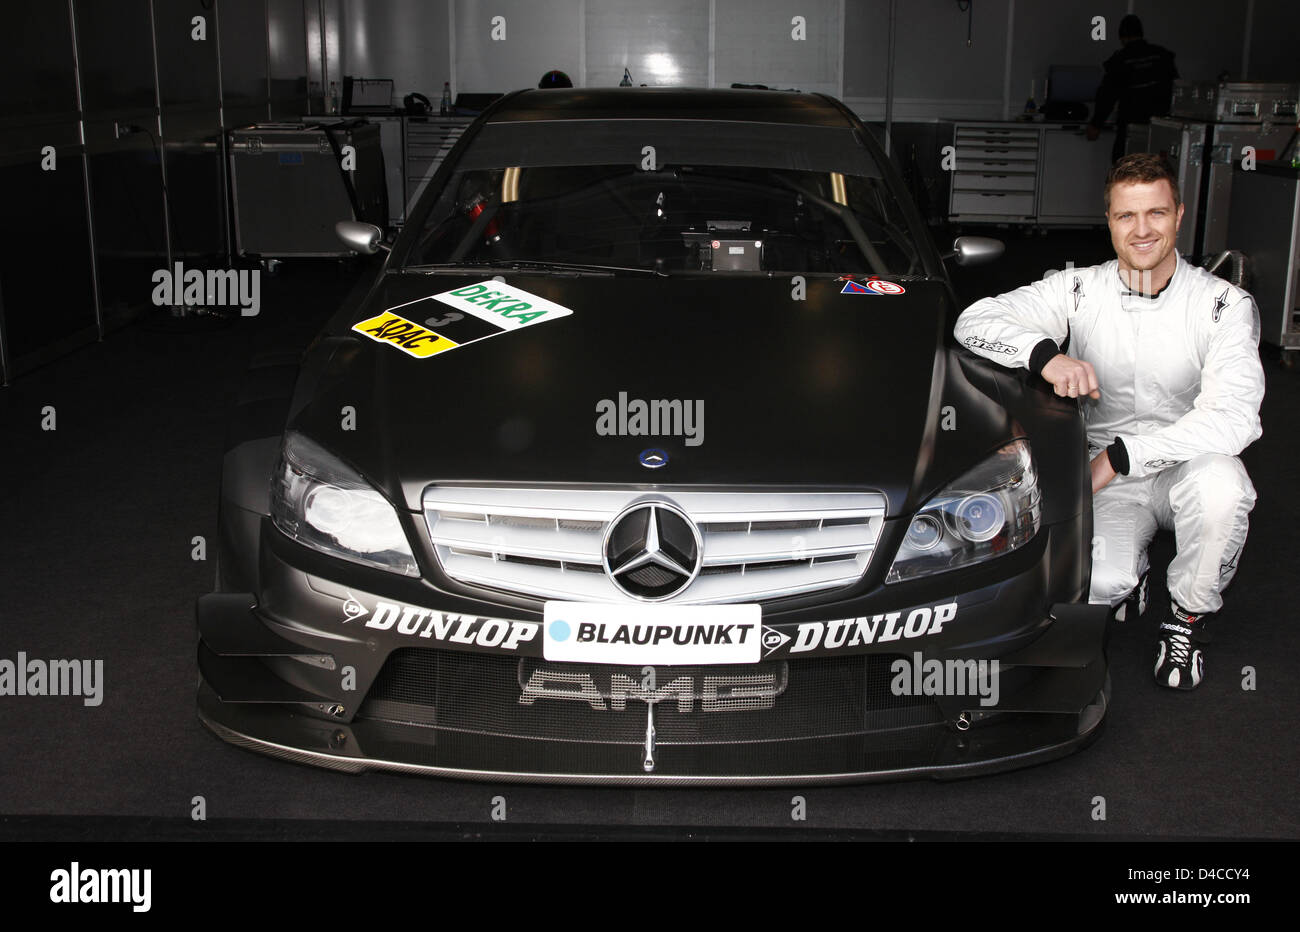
[{"x": 532, "y": 265}]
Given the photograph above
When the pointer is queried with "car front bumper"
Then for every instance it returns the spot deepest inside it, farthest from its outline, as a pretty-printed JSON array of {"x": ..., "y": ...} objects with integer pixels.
[{"x": 312, "y": 671}]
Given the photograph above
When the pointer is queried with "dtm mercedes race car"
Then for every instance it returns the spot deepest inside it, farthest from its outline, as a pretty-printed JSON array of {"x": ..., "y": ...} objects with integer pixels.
[{"x": 649, "y": 457}]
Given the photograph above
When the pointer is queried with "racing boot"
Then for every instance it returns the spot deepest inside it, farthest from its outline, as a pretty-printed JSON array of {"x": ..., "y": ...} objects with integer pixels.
[
  {"x": 1136, "y": 602},
  {"x": 1180, "y": 656}
]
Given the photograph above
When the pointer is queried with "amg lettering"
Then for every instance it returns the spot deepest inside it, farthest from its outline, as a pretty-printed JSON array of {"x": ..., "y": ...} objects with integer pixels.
[
  {"x": 623, "y": 687},
  {"x": 545, "y": 683},
  {"x": 725, "y": 693}
]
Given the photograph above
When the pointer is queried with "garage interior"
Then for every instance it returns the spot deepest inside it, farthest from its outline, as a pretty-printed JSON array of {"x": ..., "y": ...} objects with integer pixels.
[{"x": 127, "y": 139}]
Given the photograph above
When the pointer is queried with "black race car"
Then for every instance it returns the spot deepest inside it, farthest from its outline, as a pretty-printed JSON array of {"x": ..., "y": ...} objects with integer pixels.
[{"x": 649, "y": 457}]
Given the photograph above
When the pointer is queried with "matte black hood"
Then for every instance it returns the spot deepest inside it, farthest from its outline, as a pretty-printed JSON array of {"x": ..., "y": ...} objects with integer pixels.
[{"x": 831, "y": 391}]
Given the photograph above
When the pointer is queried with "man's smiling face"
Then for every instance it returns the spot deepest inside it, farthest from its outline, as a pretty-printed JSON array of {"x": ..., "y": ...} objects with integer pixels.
[{"x": 1144, "y": 223}]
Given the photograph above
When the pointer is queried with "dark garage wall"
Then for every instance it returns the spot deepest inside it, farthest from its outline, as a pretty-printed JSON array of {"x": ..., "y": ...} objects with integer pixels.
[
  {"x": 139, "y": 67},
  {"x": 83, "y": 240}
]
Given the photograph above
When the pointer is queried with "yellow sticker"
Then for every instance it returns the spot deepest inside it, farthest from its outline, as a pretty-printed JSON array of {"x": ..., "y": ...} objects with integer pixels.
[{"x": 409, "y": 337}]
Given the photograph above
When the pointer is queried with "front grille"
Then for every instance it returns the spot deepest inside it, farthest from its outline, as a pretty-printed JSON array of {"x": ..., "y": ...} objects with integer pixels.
[
  {"x": 495, "y": 696},
  {"x": 547, "y": 543}
]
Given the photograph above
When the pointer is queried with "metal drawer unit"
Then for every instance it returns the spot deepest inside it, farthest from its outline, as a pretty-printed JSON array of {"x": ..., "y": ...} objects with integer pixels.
[
  {"x": 427, "y": 144},
  {"x": 996, "y": 174}
]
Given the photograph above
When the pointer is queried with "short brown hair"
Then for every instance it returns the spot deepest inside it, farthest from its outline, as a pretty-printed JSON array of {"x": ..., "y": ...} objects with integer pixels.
[{"x": 1141, "y": 168}]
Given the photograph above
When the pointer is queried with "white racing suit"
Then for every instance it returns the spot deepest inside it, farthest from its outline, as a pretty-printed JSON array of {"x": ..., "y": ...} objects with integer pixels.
[{"x": 1180, "y": 383}]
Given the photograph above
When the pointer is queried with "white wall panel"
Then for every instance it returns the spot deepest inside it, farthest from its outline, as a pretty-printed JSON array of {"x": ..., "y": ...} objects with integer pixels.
[
  {"x": 866, "y": 24},
  {"x": 661, "y": 43},
  {"x": 1059, "y": 33},
  {"x": 754, "y": 44},
  {"x": 1273, "y": 41},
  {"x": 935, "y": 75},
  {"x": 405, "y": 40},
  {"x": 932, "y": 58},
  {"x": 538, "y": 38}
]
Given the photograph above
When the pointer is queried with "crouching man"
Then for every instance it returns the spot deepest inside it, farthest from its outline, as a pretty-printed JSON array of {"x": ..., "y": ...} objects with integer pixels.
[{"x": 1164, "y": 359}]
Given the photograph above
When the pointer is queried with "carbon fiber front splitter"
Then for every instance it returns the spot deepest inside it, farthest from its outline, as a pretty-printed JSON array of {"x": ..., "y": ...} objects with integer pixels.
[{"x": 1005, "y": 741}]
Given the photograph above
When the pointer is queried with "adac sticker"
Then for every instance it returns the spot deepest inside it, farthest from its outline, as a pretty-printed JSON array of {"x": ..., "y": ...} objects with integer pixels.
[
  {"x": 874, "y": 286},
  {"x": 479, "y": 311}
]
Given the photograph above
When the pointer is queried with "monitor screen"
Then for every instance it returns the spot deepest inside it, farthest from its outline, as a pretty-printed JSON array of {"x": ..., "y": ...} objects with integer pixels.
[{"x": 1069, "y": 84}]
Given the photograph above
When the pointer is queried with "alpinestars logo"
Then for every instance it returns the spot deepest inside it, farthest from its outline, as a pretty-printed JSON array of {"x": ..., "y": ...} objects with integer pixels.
[
  {"x": 976, "y": 342},
  {"x": 1219, "y": 304},
  {"x": 1225, "y": 568}
]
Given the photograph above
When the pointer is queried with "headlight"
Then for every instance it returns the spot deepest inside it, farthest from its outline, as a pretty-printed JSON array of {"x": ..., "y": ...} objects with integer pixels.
[
  {"x": 320, "y": 502},
  {"x": 990, "y": 510}
]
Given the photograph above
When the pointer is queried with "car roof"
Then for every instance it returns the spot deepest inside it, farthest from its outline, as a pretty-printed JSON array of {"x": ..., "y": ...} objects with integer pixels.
[{"x": 669, "y": 103}]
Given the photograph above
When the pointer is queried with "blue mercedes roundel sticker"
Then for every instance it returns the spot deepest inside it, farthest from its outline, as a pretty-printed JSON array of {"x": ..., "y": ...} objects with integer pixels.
[{"x": 653, "y": 458}]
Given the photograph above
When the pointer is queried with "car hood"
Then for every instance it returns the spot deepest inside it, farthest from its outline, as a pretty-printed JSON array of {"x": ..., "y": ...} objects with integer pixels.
[{"x": 784, "y": 382}]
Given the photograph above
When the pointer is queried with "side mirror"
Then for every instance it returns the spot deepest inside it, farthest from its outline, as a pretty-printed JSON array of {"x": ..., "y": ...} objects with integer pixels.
[
  {"x": 365, "y": 238},
  {"x": 975, "y": 250}
]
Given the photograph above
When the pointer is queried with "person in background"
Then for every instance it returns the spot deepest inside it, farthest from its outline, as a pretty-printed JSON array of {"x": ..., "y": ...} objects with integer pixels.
[
  {"x": 1140, "y": 78},
  {"x": 554, "y": 79},
  {"x": 1164, "y": 359}
]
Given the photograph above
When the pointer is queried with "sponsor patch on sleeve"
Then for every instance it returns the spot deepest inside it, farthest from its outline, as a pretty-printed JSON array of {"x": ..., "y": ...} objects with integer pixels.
[{"x": 425, "y": 327}]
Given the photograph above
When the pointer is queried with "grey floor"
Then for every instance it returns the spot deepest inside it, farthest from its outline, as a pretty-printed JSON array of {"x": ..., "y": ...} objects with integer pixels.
[{"x": 98, "y": 518}]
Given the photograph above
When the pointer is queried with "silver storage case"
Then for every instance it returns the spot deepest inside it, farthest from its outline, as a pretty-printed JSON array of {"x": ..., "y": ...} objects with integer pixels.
[
  {"x": 290, "y": 187},
  {"x": 1226, "y": 142},
  {"x": 1265, "y": 225},
  {"x": 1183, "y": 143},
  {"x": 1138, "y": 138},
  {"x": 1235, "y": 101}
]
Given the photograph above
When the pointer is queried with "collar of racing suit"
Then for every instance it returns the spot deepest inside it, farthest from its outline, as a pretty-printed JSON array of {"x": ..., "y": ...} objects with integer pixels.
[{"x": 1132, "y": 299}]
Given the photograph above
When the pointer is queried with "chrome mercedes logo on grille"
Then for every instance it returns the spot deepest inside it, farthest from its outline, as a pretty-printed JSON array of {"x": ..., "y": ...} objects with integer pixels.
[{"x": 652, "y": 551}]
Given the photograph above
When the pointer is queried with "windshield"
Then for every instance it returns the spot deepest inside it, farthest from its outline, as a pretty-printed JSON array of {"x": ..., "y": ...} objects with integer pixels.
[{"x": 759, "y": 200}]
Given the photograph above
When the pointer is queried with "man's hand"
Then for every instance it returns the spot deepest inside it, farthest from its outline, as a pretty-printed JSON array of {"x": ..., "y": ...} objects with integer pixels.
[
  {"x": 1102, "y": 471},
  {"x": 1092, "y": 132},
  {"x": 1071, "y": 377}
]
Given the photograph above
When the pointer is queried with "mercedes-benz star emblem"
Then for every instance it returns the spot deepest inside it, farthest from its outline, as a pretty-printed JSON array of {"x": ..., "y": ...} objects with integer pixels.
[
  {"x": 653, "y": 458},
  {"x": 652, "y": 551}
]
